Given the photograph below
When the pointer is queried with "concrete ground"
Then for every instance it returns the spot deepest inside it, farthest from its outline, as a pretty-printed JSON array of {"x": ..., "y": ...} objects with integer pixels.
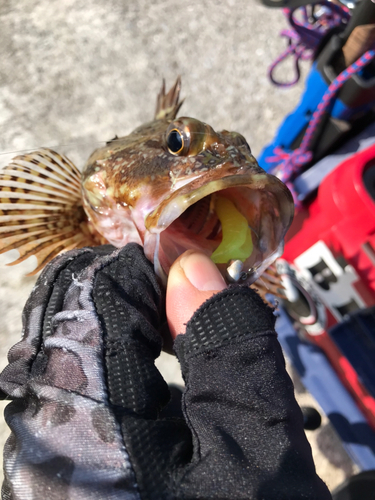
[{"x": 75, "y": 73}]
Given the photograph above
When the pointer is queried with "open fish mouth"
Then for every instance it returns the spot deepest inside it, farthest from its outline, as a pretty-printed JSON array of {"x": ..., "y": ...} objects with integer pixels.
[{"x": 239, "y": 221}]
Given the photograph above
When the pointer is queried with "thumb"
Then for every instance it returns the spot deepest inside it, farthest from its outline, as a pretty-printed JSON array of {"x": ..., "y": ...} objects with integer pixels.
[{"x": 193, "y": 278}]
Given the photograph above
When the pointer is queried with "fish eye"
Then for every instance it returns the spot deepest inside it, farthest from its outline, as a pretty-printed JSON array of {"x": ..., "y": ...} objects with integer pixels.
[{"x": 175, "y": 141}]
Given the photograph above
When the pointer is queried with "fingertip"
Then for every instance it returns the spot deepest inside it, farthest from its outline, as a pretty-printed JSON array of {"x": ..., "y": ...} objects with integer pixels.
[
  {"x": 193, "y": 279},
  {"x": 202, "y": 272}
]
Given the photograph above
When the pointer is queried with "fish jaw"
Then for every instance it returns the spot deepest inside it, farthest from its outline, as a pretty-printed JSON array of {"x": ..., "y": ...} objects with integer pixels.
[
  {"x": 262, "y": 199},
  {"x": 162, "y": 214}
]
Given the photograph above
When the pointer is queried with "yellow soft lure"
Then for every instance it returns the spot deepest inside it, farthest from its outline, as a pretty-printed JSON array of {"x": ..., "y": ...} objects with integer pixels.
[{"x": 237, "y": 243}]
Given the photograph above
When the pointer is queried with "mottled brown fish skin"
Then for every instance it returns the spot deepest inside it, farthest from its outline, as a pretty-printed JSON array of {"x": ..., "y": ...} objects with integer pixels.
[{"x": 142, "y": 157}]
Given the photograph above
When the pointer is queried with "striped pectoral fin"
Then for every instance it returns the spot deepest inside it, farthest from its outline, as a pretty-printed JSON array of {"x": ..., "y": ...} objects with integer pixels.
[{"x": 40, "y": 207}]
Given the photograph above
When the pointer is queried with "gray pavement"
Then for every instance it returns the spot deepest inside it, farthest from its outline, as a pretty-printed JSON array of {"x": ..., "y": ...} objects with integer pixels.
[{"x": 74, "y": 73}]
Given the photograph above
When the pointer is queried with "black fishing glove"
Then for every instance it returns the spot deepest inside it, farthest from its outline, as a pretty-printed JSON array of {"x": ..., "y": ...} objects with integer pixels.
[{"x": 86, "y": 416}]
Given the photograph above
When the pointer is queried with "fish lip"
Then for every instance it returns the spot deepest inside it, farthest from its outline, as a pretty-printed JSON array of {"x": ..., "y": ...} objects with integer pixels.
[
  {"x": 171, "y": 208},
  {"x": 273, "y": 217}
]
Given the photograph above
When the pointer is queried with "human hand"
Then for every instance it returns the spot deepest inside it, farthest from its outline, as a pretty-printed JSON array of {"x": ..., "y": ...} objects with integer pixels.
[{"x": 86, "y": 416}]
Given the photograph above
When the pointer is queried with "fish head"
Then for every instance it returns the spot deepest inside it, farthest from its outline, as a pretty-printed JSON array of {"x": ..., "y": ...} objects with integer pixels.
[{"x": 174, "y": 185}]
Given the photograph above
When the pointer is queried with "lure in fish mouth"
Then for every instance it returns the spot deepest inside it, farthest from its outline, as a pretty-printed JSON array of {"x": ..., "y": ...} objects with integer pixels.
[{"x": 173, "y": 184}]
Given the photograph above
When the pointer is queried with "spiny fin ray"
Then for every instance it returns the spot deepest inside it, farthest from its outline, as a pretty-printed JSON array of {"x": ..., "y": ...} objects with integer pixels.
[
  {"x": 168, "y": 105},
  {"x": 269, "y": 282}
]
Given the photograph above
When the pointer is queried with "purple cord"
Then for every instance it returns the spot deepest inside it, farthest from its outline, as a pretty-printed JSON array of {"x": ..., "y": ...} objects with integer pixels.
[
  {"x": 291, "y": 163},
  {"x": 305, "y": 35},
  {"x": 330, "y": 93}
]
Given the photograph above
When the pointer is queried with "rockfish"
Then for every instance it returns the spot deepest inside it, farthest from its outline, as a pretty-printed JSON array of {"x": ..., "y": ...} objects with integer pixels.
[{"x": 171, "y": 185}]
